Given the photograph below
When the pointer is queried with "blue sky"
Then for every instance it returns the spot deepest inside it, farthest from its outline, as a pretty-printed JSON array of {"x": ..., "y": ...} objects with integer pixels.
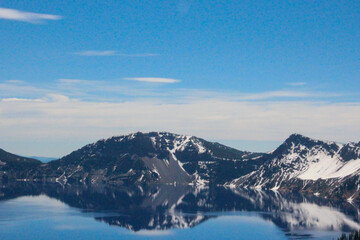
[{"x": 246, "y": 73}]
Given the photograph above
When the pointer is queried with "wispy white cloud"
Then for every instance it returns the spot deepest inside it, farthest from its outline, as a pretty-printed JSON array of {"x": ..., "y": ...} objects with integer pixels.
[
  {"x": 61, "y": 118},
  {"x": 274, "y": 94},
  {"x": 296, "y": 84},
  {"x": 96, "y": 53},
  {"x": 21, "y": 100},
  {"x": 85, "y": 110},
  {"x": 96, "y": 90},
  {"x": 153, "y": 79},
  {"x": 106, "y": 53},
  {"x": 16, "y": 89},
  {"x": 14, "y": 81},
  {"x": 74, "y": 81},
  {"x": 16, "y": 15}
]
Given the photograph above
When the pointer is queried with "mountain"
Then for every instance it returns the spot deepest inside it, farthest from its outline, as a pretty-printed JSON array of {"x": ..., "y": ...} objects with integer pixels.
[
  {"x": 43, "y": 159},
  {"x": 321, "y": 168},
  {"x": 15, "y": 167},
  {"x": 308, "y": 165},
  {"x": 151, "y": 158}
]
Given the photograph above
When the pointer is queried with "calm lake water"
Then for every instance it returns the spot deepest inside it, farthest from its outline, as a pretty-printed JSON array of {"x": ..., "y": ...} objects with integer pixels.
[{"x": 29, "y": 211}]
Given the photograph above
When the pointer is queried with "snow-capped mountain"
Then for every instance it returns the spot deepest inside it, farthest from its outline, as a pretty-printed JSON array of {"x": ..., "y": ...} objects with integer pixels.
[
  {"x": 305, "y": 164},
  {"x": 156, "y": 157}
]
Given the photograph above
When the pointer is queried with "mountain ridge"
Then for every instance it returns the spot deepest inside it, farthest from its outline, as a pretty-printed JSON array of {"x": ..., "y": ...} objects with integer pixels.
[
  {"x": 154, "y": 157},
  {"x": 14, "y": 166},
  {"x": 304, "y": 164},
  {"x": 300, "y": 163}
]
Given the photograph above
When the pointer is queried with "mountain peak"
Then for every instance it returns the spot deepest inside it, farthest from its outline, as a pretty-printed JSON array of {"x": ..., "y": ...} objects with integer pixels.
[
  {"x": 160, "y": 134},
  {"x": 300, "y": 144},
  {"x": 297, "y": 137}
]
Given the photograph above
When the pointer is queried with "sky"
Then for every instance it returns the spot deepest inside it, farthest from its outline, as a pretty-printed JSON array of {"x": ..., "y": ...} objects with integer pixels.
[{"x": 243, "y": 73}]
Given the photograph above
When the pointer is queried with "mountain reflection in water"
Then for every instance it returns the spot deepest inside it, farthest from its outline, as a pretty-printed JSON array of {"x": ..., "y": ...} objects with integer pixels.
[{"x": 162, "y": 208}]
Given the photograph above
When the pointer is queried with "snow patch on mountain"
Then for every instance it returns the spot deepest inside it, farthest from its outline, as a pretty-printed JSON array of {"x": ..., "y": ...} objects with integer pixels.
[
  {"x": 319, "y": 162},
  {"x": 330, "y": 168},
  {"x": 181, "y": 165}
]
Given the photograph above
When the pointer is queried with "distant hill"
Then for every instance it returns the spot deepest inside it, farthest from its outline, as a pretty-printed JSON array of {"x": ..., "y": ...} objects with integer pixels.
[
  {"x": 15, "y": 167},
  {"x": 44, "y": 159}
]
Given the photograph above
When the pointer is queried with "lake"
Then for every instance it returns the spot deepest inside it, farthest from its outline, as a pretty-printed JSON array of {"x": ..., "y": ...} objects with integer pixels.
[{"x": 52, "y": 211}]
